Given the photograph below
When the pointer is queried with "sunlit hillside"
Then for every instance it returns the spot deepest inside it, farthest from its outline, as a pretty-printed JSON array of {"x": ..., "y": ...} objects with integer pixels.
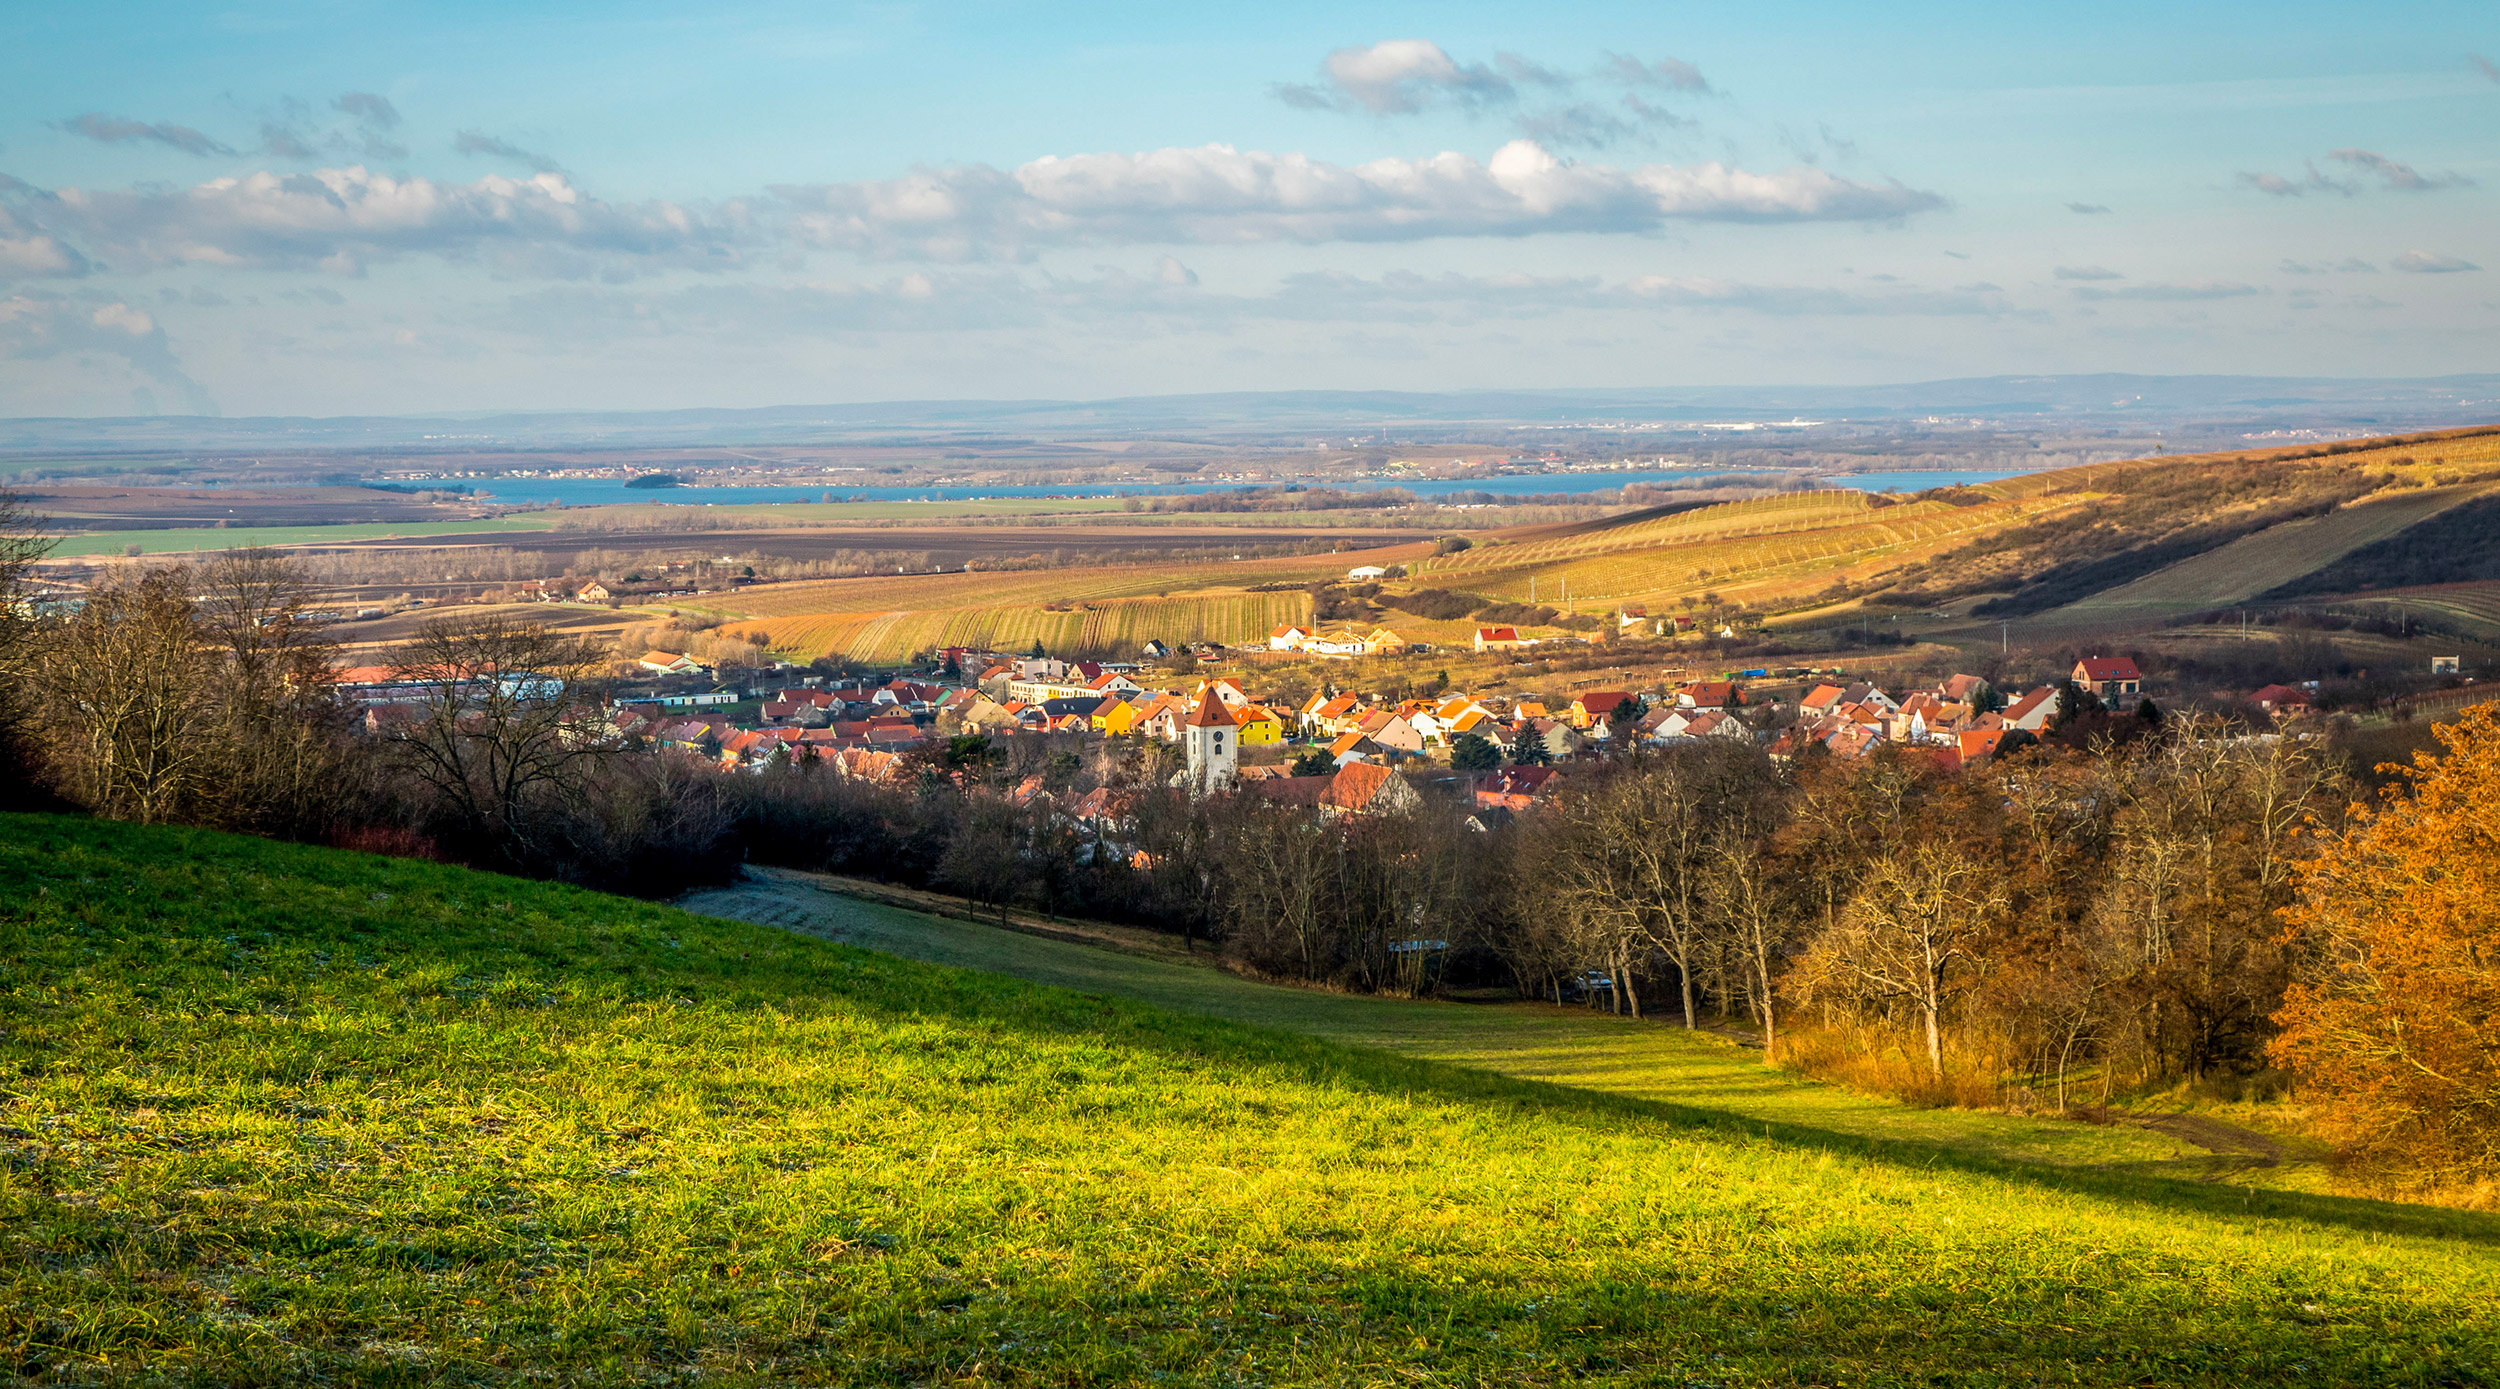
[{"x": 278, "y": 1113}]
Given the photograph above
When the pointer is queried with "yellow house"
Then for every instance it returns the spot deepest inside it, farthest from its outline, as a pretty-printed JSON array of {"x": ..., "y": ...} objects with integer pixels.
[
  {"x": 1382, "y": 639},
  {"x": 1259, "y": 727},
  {"x": 1115, "y": 717}
]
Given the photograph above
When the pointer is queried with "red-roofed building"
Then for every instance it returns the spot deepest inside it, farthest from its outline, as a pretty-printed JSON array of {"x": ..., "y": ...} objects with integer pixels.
[
  {"x": 1597, "y": 706},
  {"x": 1364, "y": 788},
  {"x": 1212, "y": 739},
  {"x": 1979, "y": 743},
  {"x": 2112, "y": 678},
  {"x": 1498, "y": 639},
  {"x": 1710, "y": 694},
  {"x": 2032, "y": 712},
  {"x": 1513, "y": 788}
]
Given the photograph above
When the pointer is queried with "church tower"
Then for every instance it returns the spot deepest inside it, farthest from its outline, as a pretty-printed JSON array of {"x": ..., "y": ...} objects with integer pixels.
[{"x": 1214, "y": 743}]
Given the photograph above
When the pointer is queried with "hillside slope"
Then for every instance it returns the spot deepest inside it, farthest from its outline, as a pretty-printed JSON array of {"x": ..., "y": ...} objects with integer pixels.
[
  {"x": 2269, "y": 559},
  {"x": 273, "y": 1113}
]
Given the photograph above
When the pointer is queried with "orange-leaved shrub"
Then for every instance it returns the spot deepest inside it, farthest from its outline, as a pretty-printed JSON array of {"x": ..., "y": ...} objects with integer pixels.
[{"x": 2394, "y": 1026}]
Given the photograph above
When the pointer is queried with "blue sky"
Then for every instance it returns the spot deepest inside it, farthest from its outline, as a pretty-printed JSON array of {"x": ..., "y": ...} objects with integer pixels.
[{"x": 384, "y": 208}]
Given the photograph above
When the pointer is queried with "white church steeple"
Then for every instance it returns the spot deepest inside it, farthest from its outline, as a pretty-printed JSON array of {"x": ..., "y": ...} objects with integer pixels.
[{"x": 1214, "y": 744}]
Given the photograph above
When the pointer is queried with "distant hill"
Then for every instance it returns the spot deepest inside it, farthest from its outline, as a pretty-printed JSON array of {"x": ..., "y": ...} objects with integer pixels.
[{"x": 2232, "y": 403}]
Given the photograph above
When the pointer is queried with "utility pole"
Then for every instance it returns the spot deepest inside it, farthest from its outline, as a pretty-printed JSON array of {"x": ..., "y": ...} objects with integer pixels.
[{"x": 2005, "y": 638}]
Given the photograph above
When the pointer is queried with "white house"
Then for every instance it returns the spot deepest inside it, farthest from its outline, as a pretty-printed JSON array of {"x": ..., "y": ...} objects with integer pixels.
[{"x": 1366, "y": 573}]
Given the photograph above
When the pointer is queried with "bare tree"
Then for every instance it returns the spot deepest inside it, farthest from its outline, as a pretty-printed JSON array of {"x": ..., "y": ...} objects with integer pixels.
[
  {"x": 129, "y": 689},
  {"x": 503, "y": 727},
  {"x": 1747, "y": 896},
  {"x": 277, "y": 689},
  {"x": 21, "y": 545},
  {"x": 1910, "y": 933}
]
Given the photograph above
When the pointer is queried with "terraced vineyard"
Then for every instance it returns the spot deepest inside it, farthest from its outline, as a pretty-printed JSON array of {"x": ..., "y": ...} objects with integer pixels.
[
  {"x": 937, "y": 592},
  {"x": 1102, "y": 625},
  {"x": 2473, "y": 609},
  {"x": 1789, "y": 511},
  {"x": 1767, "y": 566}
]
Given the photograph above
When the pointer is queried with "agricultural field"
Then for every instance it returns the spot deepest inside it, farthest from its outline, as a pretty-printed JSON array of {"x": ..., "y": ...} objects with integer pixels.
[
  {"x": 887, "y": 619},
  {"x": 1087, "y": 625},
  {"x": 1786, "y": 512},
  {"x": 2253, "y": 564},
  {"x": 376, "y": 641},
  {"x": 2470, "y": 608},
  {"x": 1770, "y": 560},
  {"x": 192, "y": 540},
  {"x": 278, "y": 1112},
  {"x": 920, "y": 591}
]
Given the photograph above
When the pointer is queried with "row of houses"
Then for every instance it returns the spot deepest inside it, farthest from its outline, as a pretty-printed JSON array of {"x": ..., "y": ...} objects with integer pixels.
[
  {"x": 1963, "y": 719},
  {"x": 1342, "y": 644}
]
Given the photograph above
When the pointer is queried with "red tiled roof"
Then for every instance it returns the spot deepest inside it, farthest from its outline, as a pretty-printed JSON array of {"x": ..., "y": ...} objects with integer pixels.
[
  {"x": 1210, "y": 713},
  {"x": 1355, "y": 785},
  {"x": 2107, "y": 668}
]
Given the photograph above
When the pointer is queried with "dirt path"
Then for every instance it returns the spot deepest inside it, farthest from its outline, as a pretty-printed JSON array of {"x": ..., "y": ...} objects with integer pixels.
[{"x": 2248, "y": 1148}]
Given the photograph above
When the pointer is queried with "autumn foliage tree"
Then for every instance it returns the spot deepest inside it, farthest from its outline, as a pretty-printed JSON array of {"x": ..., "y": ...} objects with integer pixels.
[{"x": 2394, "y": 1025}]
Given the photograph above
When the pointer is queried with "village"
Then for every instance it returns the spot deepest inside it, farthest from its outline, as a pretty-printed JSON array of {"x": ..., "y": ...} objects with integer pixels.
[{"x": 1339, "y": 752}]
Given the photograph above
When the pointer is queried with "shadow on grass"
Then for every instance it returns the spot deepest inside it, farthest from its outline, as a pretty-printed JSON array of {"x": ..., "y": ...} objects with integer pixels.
[
  {"x": 1226, "y": 1036},
  {"x": 764, "y": 966},
  {"x": 1012, "y": 1003}
]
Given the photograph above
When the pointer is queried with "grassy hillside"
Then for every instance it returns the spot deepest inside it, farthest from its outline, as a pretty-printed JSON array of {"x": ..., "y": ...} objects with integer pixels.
[
  {"x": 1571, "y": 1046},
  {"x": 280, "y": 1114},
  {"x": 2468, "y": 609},
  {"x": 2282, "y": 554}
]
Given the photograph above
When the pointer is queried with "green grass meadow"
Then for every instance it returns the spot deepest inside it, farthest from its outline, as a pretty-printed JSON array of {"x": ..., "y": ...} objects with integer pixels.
[
  {"x": 186, "y": 540},
  {"x": 271, "y": 1114}
]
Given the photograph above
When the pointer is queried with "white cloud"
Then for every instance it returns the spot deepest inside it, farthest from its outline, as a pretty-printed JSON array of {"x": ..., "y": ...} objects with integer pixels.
[
  {"x": 117, "y": 130},
  {"x": 2172, "y": 293},
  {"x": 1672, "y": 74},
  {"x": 2394, "y": 175},
  {"x": 2425, "y": 263},
  {"x": 479, "y": 142},
  {"x": 1401, "y": 77},
  {"x": 38, "y": 327},
  {"x": 2087, "y": 272},
  {"x": 1218, "y": 194},
  {"x": 1160, "y": 301},
  {"x": 339, "y": 219}
]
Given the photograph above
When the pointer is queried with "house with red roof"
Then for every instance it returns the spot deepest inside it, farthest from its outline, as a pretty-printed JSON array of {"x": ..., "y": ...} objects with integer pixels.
[
  {"x": 2113, "y": 678},
  {"x": 1364, "y": 788},
  {"x": 1597, "y": 706},
  {"x": 2032, "y": 712}
]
